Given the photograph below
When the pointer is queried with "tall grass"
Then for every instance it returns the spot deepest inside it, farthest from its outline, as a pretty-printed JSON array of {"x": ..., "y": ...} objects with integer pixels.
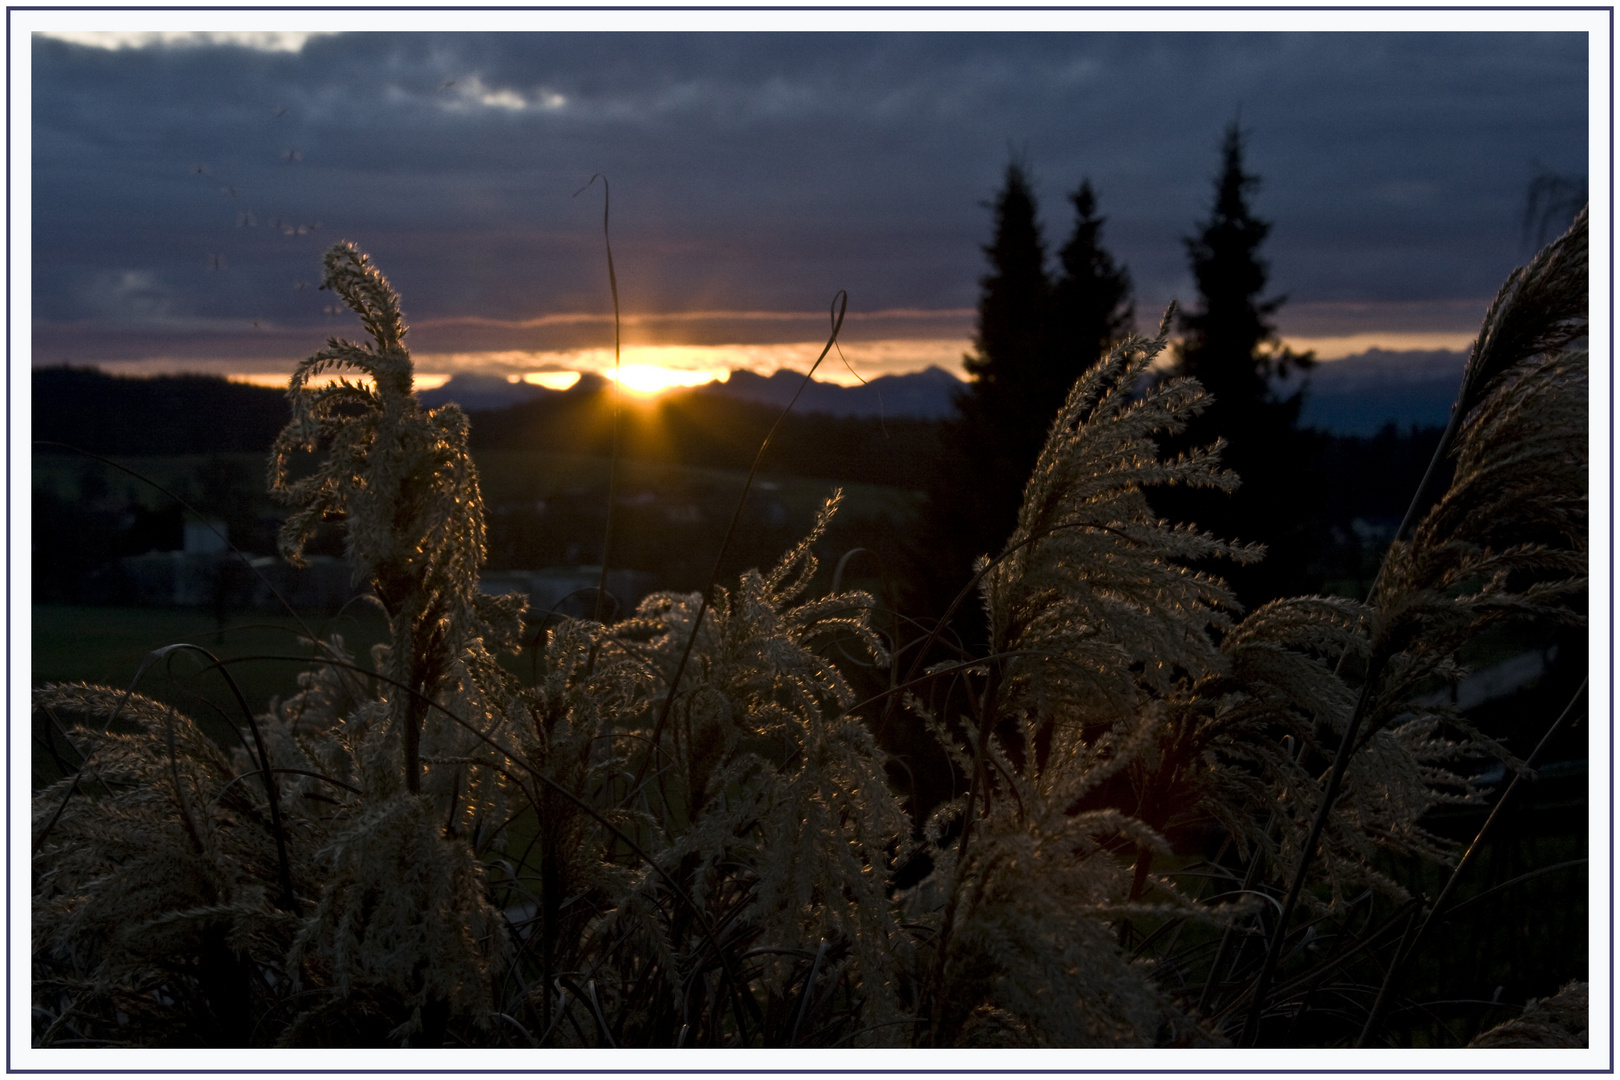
[{"x": 1171, "y": 820}]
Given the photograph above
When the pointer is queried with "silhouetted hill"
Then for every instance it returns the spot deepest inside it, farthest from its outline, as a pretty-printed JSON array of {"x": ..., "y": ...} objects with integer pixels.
[
  {"x": 928, "y": 394},
  {"x": 713, "y": 430},
  {"x": 476, "y": 393},
  {"x": 168, "y": 414}
]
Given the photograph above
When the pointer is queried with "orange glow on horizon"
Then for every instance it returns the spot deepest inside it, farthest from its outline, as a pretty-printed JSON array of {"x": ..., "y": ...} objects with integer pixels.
[
  {"x": 422, "y": 380},
  {"x": 693, "y": 365},
  {"x": 648, "y": 380},
  {"x": 551, "y": 380}
]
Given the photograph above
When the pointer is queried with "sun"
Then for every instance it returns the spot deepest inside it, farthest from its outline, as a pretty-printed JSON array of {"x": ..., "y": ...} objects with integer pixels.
[{"x": 648, "y": 380}]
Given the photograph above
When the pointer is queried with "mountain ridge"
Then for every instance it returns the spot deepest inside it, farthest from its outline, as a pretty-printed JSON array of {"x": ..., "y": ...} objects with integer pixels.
[
  {"x": 1360, "y": 394},
  {"x": 1356, "y": 395}
]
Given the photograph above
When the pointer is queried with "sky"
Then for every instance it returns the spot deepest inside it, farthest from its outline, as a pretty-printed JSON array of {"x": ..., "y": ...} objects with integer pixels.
[{"x": 184, "y": 186}]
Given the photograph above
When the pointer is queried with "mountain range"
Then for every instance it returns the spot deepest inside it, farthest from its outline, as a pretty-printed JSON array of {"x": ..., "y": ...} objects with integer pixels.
[
  {"x": 1360, "y": 394},
  {"x": 1357, "y": 395}
]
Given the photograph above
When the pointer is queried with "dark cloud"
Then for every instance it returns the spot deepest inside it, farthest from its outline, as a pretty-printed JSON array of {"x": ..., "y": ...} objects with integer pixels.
[{"x": 764, "y": 172}]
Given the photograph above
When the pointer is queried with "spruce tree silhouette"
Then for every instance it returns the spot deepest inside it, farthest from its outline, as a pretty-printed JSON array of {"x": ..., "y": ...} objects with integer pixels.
[
  {"x": 1230, "y": 345},
  {"x": 1002, "y": 417},
  {"x": 1091, "y": 302},
  {"x": 1035, "y": 338}
]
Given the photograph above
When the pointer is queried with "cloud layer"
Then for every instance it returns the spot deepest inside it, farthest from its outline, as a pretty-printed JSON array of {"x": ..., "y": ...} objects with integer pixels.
[{"x": 184, "y": 188}]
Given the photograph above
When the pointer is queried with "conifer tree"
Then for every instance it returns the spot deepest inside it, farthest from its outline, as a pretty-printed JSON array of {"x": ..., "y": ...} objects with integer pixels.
[
  {"x": 1230, "y": 345},
  {"x": 1091, "y": 303},
  {"x": 1012, "y": 348},
  {"x": 986, "y": 454},
  {"x": 1035, "y": 338}
]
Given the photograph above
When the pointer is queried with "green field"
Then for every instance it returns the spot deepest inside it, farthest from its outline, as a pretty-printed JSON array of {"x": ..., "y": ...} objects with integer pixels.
[
  {"x": 133, "y": 478},
  {"x": 108, "y": 646}
]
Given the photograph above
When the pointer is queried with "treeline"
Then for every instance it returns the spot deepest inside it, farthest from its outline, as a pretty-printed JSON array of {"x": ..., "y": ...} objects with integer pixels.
[
  {"x": 171, "y": 414},
  {"x": 198, "y": 414}
]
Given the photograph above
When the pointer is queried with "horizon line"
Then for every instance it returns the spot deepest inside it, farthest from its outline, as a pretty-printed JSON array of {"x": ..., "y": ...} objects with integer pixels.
[{"x": 865, "y": 361}]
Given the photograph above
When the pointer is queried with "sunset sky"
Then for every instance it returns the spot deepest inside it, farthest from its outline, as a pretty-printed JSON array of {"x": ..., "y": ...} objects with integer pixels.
[{"x": 183, "y": 188}]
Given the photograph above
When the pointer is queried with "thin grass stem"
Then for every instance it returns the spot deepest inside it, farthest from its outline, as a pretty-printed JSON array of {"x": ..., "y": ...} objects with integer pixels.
[
  {"x": 1406, "y": 951},
  {"x": 618, "y": 402},
  {"x": 839, "y": 305}
]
